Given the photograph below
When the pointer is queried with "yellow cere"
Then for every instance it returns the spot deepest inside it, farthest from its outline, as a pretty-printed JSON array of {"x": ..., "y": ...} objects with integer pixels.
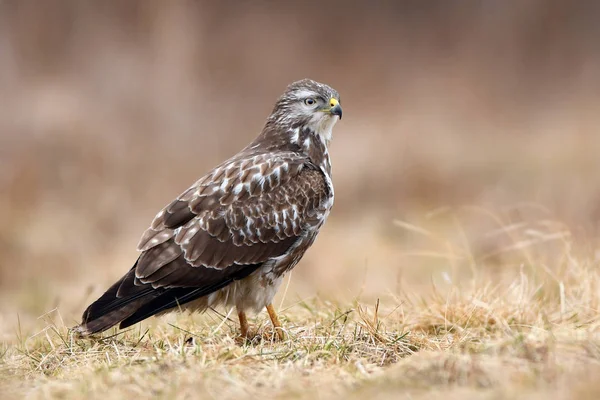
[{"x": 333, "y": 102}]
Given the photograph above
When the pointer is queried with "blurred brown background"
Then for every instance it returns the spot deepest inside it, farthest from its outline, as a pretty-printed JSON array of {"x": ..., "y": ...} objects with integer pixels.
[{"x": 459, "y": 118}]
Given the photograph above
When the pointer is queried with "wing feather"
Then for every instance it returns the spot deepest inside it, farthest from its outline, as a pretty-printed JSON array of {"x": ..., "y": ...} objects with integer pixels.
[{"x": 247, "y": 211}]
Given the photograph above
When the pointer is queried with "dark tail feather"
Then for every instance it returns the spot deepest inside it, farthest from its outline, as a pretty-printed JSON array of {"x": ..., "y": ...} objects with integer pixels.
[
  {"x": 109, "y": 320},
  {"x": 120, "y": 301},
  {"x": 128, "y": 302},
  {"x": 175, "y": 297}
]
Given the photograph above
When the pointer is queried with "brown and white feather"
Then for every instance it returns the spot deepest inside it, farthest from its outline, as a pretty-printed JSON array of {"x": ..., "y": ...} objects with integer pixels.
[{"x": 231, "y": 236}]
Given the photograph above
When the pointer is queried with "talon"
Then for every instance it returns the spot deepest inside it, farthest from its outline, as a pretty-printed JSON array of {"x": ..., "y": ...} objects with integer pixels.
[
  {"x": 244, "y": 330},
  {"x": 275, "y": 321}
]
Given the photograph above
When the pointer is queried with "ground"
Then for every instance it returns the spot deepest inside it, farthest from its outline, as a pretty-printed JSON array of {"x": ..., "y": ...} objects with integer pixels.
[{"x": 525, "y": 331}]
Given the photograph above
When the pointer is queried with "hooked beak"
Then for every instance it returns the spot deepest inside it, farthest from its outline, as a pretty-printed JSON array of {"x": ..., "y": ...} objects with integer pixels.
[{"x": 335, "y": 107}]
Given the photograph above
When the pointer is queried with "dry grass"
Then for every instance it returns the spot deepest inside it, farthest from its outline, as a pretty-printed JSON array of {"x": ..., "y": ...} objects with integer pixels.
[{"x": 530, "y": 329}]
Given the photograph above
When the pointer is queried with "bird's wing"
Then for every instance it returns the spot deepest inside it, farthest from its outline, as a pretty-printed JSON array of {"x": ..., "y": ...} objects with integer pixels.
[{"x": 243, "y": 213}]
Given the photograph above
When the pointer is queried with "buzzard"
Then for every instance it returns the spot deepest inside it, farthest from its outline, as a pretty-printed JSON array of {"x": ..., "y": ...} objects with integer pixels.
[{"x": 231, "y": 237}]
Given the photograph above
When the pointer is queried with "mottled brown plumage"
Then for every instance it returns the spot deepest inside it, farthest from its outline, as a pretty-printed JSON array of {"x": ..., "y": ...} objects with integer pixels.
[{"x": 231, "y": 236}]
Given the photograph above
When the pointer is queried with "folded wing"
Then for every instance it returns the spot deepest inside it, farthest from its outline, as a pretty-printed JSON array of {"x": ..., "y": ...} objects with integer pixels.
[{"x": 244, "y": 213}]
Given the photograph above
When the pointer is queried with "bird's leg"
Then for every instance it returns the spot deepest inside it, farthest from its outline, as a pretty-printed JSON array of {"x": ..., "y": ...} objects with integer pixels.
[
  {"x": 243, "y": 324},
  {"x": 275, "y": 321}
]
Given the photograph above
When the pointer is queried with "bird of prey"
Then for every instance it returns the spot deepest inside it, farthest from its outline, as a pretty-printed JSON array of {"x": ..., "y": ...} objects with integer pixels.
[{"x": 232, "y": 236}]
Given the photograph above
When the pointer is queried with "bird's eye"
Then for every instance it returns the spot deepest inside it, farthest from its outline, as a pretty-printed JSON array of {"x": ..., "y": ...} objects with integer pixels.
[{"x": 310, "y": 101}]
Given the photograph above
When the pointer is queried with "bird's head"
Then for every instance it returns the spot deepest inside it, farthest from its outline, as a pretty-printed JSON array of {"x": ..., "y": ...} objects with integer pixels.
[{"x": 311, "y": 105}]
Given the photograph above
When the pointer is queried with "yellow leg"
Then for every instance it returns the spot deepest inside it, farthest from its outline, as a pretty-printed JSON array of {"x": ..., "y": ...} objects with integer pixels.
[
  {"x": 243, "y": 324},
  {"x": 275, "y": 321}
]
